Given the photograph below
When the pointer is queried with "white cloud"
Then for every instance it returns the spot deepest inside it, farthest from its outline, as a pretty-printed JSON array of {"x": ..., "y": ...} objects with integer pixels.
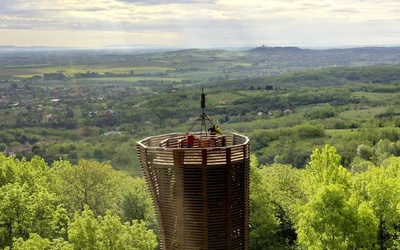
[
  {"x": 202, "y": 21},
  {"x": 165, "y": 2}
]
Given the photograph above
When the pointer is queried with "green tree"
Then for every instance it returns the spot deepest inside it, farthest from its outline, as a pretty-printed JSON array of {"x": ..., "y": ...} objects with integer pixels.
[
  {"x": 137, "y": 203},
  {"x": 108, "y": 233},
  {"x": 330, "y": 221},
  {"x": 127, "y": 236},
  {"x": 364, "y": 152},
  {"x": 3, "y": 147},
  {"x": 89, "y": 183},
  {"x": 263, "y": 222},
  {"x": 84, "y": 232},
  {"x": 333, "y": 218},
  {"x": 139, "y": 237},
  {"x": 15, "y": 213},
  {"x": 60, "y": 244},
  {"x": 112, "y": 230},
  {"x": 39, "y": 148},
  {"x": 323, "y": 112},
  {"x": 35, "y": 242},
  {"x": 379, "y": 187},
  {"x": 282, "y": 183},
  {"x": 123, "y": 158},
  {"x": 325, "y": 169},
  {"x": 15, "y": 144},
  {"x": 6, "y": 138},
  {"x": 359, "y": 165},
  {"x": 26, "y": 203},
  {"x": 383, "y": 149}
]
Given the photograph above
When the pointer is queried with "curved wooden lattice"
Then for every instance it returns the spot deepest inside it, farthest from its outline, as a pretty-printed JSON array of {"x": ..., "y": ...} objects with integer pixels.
[{"x": 200, "y": 194}]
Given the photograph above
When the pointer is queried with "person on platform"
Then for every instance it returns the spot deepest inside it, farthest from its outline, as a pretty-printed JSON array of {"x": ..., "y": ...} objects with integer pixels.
[
  {"x": 215, "y": 130},
  {"x": 190, "y": 140}
]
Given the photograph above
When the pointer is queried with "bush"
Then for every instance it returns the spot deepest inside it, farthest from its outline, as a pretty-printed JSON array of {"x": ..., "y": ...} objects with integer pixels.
[
  {"x": 309, "y": 131},
  {"x": 320, "y": 112}
]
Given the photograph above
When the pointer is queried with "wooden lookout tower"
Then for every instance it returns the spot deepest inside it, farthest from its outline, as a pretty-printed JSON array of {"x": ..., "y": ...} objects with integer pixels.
[{"x": 200, "y": 191}]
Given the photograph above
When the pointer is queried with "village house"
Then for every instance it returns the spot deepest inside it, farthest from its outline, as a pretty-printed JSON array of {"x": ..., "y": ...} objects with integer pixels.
[
  {"x": 111, "y": 133},
  {"x": 50, "y": 118},
  {"x": 288, "y": 111},
  {"x": 222, "y": 103},
  {"x": 108, "y": 113}
]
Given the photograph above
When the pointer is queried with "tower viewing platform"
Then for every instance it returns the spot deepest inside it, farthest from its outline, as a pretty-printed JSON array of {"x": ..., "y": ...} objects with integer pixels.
[{"x": 200, "y": 189}]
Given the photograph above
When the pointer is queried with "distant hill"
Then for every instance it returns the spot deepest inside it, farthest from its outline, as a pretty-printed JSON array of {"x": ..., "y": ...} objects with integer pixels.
[
  {"x": 286, "y": 49},
  {"x": 366, "y": 50},
  {"x": 8, "y": 47},
  {"x": 334, "y": 76},
  {"x": 33, "y": 48},
  {"x": 296, "y": 50}
]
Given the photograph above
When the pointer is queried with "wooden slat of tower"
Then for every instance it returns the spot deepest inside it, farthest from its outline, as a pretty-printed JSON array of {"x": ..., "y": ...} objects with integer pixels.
[
  {"x": 229, "y": 197},
  {"x": 205, "y": 199},
  {"x": 246, "y": 169},
  {"x": 143, "y": 156},
  {"x": 178, "y": 164}
]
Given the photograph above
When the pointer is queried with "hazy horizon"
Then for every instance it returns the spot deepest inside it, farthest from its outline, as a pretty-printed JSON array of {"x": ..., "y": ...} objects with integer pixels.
[{"x": 158, "y": 47}]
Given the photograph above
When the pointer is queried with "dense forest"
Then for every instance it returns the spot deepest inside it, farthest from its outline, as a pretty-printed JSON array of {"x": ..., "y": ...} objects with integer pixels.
[
  {"x": 325, "y": 206},
  {"x": 63, "y": 206},
  {"x": 92, "y": 206}
]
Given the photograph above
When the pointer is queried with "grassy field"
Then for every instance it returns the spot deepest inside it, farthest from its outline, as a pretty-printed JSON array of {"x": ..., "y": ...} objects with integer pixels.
[
  {"x": 29, "y": 71},
  {"x": 210, "y": 64},
  {"x": 70, "y": 71},
  {"x": 228, "y": 97},
  {"x": 362, "y": 114},
  {"x": 349, "y": 132},
  {"x": 340, "y": 132},
  {"x": 376, "y": 97},
  {"x": 128, "y": 79},
  {"x": 17, "y": 72}
]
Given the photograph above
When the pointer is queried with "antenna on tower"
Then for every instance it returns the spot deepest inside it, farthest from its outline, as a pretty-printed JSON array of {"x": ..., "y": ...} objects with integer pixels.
[
  {"x": 203, "y": 99},
  {"x": 203, "y": 118}
]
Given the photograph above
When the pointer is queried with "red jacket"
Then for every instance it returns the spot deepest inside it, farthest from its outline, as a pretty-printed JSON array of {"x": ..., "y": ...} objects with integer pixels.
[{"x": 190, "y": 139}]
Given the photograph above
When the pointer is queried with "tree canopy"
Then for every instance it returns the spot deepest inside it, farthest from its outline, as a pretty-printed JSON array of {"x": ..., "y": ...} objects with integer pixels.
[
  {"x": 325, "y": 206},
  {"x": 67, "y": 206}
]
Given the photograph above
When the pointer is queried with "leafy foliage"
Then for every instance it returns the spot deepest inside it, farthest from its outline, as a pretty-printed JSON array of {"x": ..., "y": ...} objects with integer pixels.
[
  {"x": 49, "y": 208},
  {"x": 324, "y": 206}
]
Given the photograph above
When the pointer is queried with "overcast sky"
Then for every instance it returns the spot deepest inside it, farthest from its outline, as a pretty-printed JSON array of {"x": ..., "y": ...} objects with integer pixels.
[{"x": 92, "y": 23}]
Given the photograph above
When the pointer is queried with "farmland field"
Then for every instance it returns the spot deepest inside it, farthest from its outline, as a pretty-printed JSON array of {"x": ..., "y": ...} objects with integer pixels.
[{"x": 362, "y": 114}]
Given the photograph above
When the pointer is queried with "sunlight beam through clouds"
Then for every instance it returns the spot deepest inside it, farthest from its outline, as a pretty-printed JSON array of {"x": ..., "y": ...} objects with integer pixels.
[{"x": 198, "y": 22}]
